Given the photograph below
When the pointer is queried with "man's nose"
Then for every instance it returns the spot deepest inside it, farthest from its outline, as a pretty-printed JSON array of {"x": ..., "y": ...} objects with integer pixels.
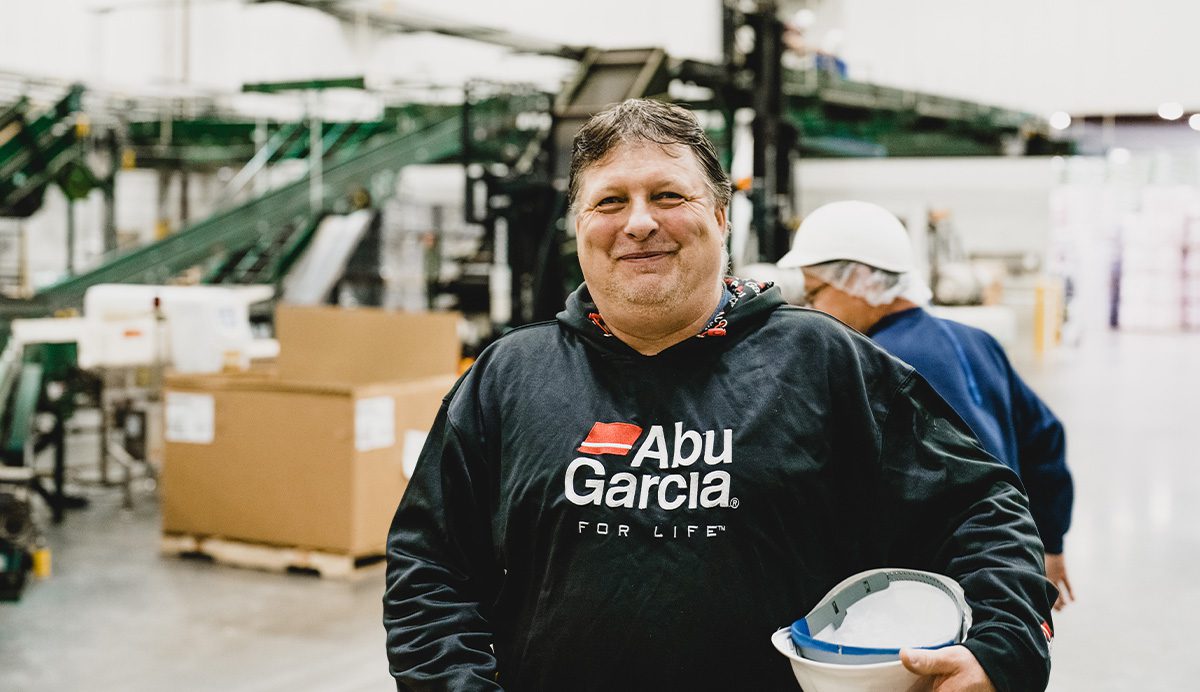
[{"x": 641, "y": 224}]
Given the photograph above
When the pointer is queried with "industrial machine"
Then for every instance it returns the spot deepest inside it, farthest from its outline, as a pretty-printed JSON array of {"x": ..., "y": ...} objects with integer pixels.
[{"x": 317, "y": 236}]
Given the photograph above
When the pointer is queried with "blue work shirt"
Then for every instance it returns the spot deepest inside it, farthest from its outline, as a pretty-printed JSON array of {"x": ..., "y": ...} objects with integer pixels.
[{"x": 970, "y": 370}]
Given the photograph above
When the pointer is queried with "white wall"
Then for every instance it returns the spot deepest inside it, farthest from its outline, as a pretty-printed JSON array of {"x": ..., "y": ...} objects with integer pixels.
[
  {"x": 1079, "y": 55},
  {"x": 46, "y": 235},
  {"x": 138, "y": 44},
  {"x": 998, "y": 205},
  {"x": 137, "y": 194},
  {"x": 1084, "y": 56}
]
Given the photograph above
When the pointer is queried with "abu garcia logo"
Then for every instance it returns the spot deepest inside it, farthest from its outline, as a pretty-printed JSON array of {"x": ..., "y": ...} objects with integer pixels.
[{"x": 692, "y": 480}]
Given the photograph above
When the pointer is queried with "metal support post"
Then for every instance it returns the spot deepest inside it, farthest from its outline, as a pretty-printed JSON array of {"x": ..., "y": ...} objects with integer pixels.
[
  {"x": 316, "y": 192},
  {"x": 163, "y": 228},
  {"x": 59, "y": 437},
  {"x": 771, "y": 158},
  {"x": 70, "y": 236},
  {"x": 109, "y": 190},
  {"x": 184, "y": 207}
]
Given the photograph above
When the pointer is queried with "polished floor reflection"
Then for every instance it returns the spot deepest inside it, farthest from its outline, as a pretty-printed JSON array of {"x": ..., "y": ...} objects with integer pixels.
[
  {"x": 1131, "y": 403},
  {"x": 117, "y": 616}
]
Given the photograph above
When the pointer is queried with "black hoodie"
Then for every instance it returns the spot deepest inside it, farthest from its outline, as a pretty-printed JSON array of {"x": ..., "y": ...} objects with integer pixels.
[{"x": 584, "y": 517}]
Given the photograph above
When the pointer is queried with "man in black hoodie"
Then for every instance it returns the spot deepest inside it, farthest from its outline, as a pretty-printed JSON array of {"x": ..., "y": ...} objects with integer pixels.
[{"x": 636, "y": 496}]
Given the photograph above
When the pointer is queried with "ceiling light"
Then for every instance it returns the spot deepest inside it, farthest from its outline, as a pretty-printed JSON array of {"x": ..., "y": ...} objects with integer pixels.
[
  {"x": 1194, "y": 121},
  {"x": 804, "y": 18},
  {"x": 1060, "y": 120},
  {"x": 1171, "y": 110},
  {"x": 1119, "y": 156},
  {"x": 832, "y": 42}
]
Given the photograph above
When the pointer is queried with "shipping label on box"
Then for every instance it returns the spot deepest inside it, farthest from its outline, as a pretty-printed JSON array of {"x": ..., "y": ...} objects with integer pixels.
[
  {"x": 190, "y": 418},
  {"x": 414, "y": 442},
  {"x": 374, "y": 423}
]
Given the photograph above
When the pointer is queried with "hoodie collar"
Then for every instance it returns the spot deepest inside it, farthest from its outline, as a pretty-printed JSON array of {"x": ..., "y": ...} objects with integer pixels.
[{"x": 742, "y": 300}]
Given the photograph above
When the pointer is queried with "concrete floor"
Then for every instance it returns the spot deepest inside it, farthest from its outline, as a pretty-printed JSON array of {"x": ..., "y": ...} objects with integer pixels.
[
  {"x": 1131, "y": 405},
  {"x": 117, "y": 616}
]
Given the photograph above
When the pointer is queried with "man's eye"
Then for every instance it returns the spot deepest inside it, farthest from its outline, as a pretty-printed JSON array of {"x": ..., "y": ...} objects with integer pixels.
[
  {"x": 669, "y": 196},
  {"x": 609, "y": 201}
]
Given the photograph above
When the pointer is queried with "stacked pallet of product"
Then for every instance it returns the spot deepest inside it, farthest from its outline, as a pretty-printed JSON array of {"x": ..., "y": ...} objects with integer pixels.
[
  {"x": 1152, "y": 260},
  {"x": 1191, "y": 269},
  {"x": 301, "y": 467},
  {"x": 1083, "y": 250}
]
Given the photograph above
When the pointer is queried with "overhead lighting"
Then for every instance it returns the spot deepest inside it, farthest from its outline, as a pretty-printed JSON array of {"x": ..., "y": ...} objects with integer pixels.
[
  {"x": 1194, "y": 121},
  {"x": 804, "y": 18},
  {"x": 1119, "y": 156},
  {"x": 1171, "y": 110},
  {"x": 1060, "y": 120},
  {"x": 832, "y": 43}
]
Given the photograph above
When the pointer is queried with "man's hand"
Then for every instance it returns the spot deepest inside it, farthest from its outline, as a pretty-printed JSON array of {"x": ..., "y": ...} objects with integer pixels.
[
  {"x": 1056, "y": 572},
  {"x": 954, "y": 669}
]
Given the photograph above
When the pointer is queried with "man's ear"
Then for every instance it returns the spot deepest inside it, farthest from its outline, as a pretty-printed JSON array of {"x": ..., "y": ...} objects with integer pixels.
[{"x": 722, "y": 215}]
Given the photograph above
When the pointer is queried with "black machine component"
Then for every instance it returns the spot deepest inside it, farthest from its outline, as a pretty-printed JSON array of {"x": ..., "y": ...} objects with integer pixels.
[
  {"x": 47, "y": 395},
  {"x": 517, "y": 201},
  {"x": 527, "y": 202},
  {"x": 774, "y": 138},
  {"x": 363, "y": 278},
  {"x": 516, "y": 149},
  {"x": 18, "y": 538}
]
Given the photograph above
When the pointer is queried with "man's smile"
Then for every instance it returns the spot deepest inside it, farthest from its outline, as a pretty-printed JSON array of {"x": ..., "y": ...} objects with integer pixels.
[{"x": 644, "y": 256}]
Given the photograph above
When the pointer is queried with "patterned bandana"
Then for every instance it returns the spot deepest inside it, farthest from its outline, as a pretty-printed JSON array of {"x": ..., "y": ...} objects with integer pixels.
[{"x": 736, "y": 290}]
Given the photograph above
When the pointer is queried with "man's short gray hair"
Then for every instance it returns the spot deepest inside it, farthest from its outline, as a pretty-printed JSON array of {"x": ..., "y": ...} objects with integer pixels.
[{"x": 645, "y": 120}]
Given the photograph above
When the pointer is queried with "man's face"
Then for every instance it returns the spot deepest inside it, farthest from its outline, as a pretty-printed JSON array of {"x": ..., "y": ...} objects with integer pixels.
[
  {"x": 828, "y": 298},
  {"x": 649, "y": 232}
]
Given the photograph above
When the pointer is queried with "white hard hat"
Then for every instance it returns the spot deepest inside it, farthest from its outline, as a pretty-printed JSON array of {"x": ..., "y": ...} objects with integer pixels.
[
  {"x": 789, "y": 281},
  {"x": 864, "y": 656},
  {"x": 851, "y": 230}
]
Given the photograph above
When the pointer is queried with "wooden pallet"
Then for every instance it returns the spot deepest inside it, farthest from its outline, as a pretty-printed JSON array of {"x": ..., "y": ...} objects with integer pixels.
[{"x": 271, "y": 558}]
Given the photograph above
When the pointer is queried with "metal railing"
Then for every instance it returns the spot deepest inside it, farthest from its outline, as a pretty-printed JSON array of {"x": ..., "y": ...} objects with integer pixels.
[{"x": 241, "y": 225}]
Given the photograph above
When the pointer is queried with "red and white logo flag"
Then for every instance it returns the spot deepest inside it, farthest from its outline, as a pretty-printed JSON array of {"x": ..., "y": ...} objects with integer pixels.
[
  {"x": 1047, "y": 631},
  {"x": 611, "y": 438}
]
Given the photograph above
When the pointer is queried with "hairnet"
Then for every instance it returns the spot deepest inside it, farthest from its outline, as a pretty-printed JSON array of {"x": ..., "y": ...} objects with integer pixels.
[{"x": 875, "y": 286}]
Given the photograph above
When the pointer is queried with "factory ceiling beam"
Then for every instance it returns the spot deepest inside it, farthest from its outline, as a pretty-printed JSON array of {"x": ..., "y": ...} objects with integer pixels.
[
  {"x": 407, "y": 21},
  {"x": 305, "y": 85}
]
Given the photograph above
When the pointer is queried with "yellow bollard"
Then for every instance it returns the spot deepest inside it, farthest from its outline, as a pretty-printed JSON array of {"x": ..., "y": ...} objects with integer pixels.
[
  {"x": 1039, "y": 319},
  {"x": 1048, "y": 315},
  {"x": 41, "y": 562}
]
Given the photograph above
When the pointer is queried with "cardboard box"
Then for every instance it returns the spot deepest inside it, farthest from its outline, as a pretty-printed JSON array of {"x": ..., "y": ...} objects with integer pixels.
[
  {"x": 254, "y": 458},
  {"x": 362, "y": 345}
]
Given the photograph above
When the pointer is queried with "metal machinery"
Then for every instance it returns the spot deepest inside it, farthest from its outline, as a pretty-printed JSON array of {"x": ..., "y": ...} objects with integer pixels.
[
  {"x": 42, "y": 386},
  {"x": 811, "y": 112},
  {"x": 54, "y": 145},
  {"x": 513, "y": 141},
  {"x": 257, "y": 238},
  {"x": 38, "y": 149}
]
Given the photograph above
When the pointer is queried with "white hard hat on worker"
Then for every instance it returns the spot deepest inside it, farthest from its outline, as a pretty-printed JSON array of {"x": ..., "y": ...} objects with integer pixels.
[{"x": 859, "y": 248}]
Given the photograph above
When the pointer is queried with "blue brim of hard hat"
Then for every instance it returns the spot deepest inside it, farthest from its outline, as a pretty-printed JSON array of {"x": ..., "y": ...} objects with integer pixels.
[{"x": 828, "y": 652}]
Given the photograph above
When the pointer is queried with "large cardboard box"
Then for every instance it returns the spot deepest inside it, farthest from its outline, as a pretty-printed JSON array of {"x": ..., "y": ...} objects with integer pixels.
[
  {"x": 255, "y": 458},
  {"x": 361, "y": 345}
]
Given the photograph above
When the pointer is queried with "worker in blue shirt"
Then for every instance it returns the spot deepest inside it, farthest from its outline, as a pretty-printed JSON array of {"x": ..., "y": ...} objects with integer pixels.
[{"x": 858, "y": 266}]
